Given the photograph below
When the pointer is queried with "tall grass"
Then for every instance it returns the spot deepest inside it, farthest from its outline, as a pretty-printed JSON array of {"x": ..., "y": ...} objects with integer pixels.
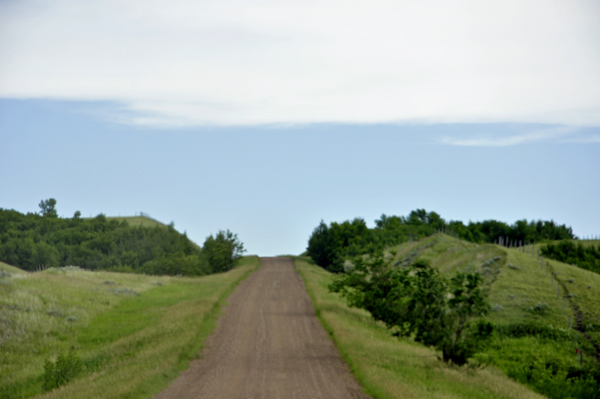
[
  {"x": 133, "y": 333},
  {"x": 391, "y": 368}
]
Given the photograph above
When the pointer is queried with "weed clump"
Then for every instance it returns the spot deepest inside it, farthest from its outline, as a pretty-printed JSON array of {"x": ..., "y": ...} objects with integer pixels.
[
  {"x": 125, "y": 291},
  {"x": 540, "y": 308},
  {"x": 571, "y": 280},
  {"x": 514, "y": 267},
  {"x": 491, "y": 261},
  {"x": 58, "y": 373},
  {"x": 4, "y": 274},
  {"x": 56, "y": 313}
]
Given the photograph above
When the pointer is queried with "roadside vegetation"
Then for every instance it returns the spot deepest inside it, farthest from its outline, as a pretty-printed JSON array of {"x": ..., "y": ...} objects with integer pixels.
[
  {"x": 42, "y": 240},
  {"x": 72, "y": 333},
  {"x": 392, "y": 368},
  {"x": 544, "y": 315},
  {"x": 417, "y": 301}
]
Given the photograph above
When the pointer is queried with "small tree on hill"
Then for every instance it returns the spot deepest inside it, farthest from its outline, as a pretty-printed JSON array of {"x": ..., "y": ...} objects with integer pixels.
[
  {"x": 418, "y": 301},
  {"x": 222, "y": 250},
  {"x": 48, "y": 208}
]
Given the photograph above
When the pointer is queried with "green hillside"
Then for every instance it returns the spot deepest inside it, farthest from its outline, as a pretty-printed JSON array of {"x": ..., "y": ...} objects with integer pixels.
[
  {"x": 132, "y": 333},
  {"x": 532, "y": 306},
  {"x": 391, "y": 368},
  {"x": 10, "y": 269},
  {"x": 141, "y": 245},
  {"x": 137, "y": 221},
  {"x": 516, "y": 280},
  {"x": 143, "y": 221}
]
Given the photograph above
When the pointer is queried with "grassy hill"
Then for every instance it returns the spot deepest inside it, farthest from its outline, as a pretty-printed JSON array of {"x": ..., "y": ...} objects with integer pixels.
[
  {"x": 137, "y": 221},
  {"x": 10, "y": 269},
  {"x": 531, "y": 307},
  {"x": 133, "y": 333},
  {"x": 516, "y": 280},
  {"x": 143, "y": 221},
  {"x": 389, "y": 368}
]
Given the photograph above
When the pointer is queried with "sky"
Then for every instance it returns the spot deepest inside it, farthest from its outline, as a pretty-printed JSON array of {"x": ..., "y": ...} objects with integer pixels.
[{"x": 265, "y": 117}]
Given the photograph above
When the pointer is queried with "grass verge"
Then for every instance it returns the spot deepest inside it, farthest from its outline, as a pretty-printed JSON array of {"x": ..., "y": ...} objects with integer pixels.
[
  {"x": 390, "y": 368},
  {"x": 133, "y": 333}
]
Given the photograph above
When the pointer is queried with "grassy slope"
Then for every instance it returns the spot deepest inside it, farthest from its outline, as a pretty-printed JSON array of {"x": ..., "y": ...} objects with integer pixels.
[
  {"x": 11, "y": 269},
  {"x": 137, "y": 221},
  {"x": 132, "y": 345},
  {"x": 588, "y": 242},
  {"x": 141, "y": 221},
  {"x": 517, "y": 281},
  {"x": 391, "y": 368}
]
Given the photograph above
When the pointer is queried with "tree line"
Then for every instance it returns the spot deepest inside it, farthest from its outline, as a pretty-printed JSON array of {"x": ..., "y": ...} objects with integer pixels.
[
  {"x": 43, "y": 239},
  {"x": 584, "y": 256},
  {"x": 329, "y": 245}
]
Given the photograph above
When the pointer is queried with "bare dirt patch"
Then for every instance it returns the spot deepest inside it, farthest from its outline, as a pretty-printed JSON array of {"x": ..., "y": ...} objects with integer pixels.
[{"x": 269, "y": 344}]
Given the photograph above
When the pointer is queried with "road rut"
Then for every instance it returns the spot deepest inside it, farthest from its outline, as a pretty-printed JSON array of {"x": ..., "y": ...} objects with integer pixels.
[{"x": 268, "y": 344}]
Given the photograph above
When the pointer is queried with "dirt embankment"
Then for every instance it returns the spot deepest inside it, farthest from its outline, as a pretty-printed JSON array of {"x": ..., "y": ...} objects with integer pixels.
[{"x": 269, "y": 344}]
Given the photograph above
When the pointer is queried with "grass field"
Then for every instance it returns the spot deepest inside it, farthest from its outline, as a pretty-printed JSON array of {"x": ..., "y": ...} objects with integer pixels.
[
  {"x": 391, "y": 368},
  {"x": 133, "y": 333}
]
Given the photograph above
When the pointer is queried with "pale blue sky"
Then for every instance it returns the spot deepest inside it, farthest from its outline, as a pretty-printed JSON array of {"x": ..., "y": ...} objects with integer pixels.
[
  {"x": 265, "y": 117},
  {"x": 272, "y": 185}
]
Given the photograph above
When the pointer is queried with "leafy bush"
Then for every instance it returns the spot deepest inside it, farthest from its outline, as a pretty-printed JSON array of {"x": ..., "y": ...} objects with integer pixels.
[
  {"x": 540, "y": 308},
  {"x": 533, "y": 329},
  {"x": 222, "y": 251},
  {"x": 58, "y": 373},
  {"x": 554, "y": 379},
  {"x": 418, "y": 301}
]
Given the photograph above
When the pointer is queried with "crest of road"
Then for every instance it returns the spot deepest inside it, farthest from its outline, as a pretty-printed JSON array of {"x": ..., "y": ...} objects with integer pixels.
[{"x": 268, "y": 344}]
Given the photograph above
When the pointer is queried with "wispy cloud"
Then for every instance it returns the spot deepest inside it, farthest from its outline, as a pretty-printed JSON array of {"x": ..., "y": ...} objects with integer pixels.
[
  {"x": 233, "y": 62},
  {"x": 495, "y": 140},
  {"x": 584, "y": 138}
]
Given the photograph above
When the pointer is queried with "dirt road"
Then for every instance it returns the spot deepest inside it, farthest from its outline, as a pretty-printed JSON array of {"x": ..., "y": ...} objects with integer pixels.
[{"x": 269, "y": 344}]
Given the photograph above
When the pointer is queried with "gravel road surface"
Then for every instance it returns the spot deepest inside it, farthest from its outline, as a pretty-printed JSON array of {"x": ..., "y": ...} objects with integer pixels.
[{"x": 268, "y": 344}]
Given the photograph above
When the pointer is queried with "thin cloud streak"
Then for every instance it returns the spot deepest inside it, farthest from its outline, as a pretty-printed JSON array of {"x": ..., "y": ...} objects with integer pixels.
[
  {"x": 226, "y": 63},
  {"x": 592, "y": 138},
  {"x": 486, "y": 140}
]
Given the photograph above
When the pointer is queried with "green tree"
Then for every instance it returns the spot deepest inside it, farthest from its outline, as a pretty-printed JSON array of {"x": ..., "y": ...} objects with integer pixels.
[
  {"x": 222, "y": 250},
  {"x": 418, "y": 301},
  {"x": 48, "y": 208}
]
